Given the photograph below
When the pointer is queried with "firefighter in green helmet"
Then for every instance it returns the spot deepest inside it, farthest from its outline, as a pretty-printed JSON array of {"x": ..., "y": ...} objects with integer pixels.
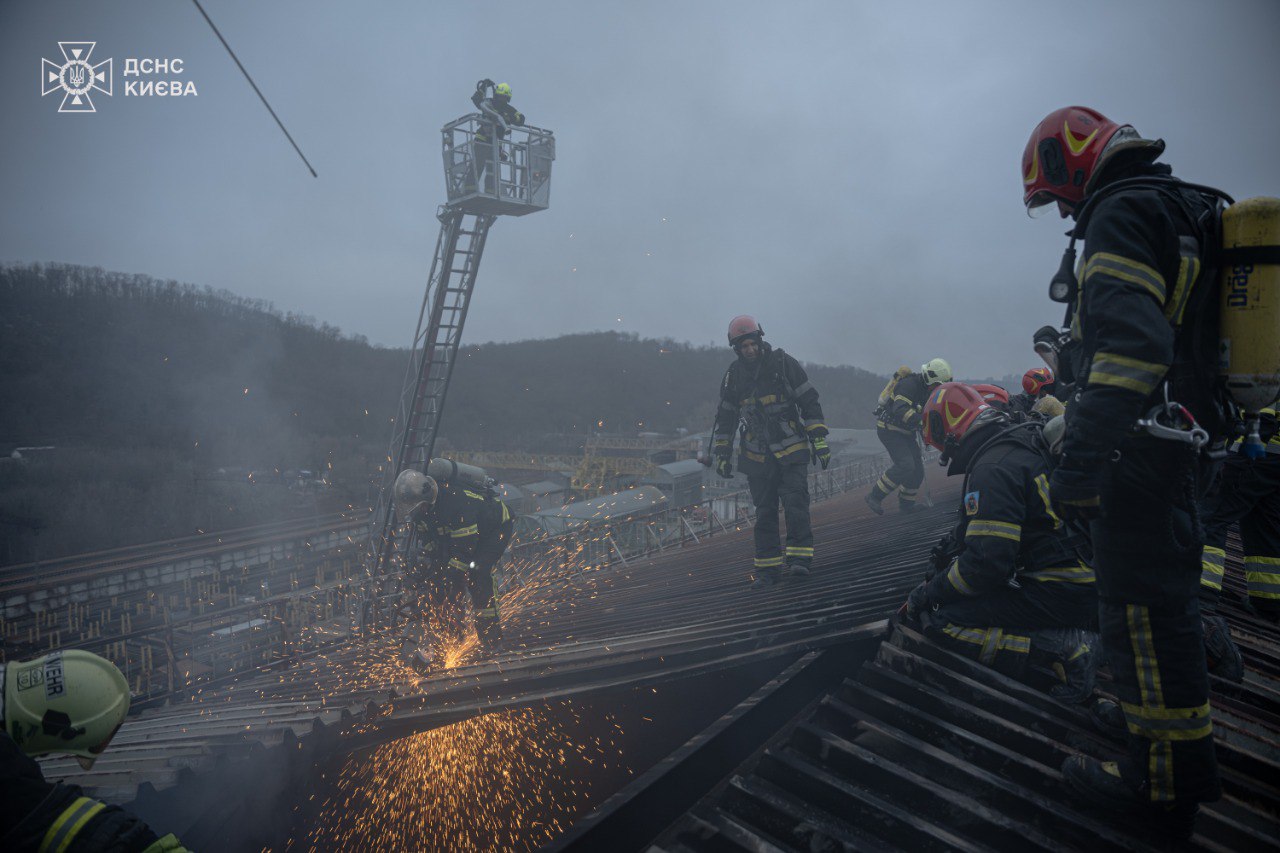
[
  {"x": 69, "y": 702},
  {"x": 498, "y": 115},
  {"x": 898, "y": 428}
]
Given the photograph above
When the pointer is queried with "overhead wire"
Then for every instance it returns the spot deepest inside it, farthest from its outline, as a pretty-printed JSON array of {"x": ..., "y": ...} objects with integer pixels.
[{"x": 261, "y": 96}]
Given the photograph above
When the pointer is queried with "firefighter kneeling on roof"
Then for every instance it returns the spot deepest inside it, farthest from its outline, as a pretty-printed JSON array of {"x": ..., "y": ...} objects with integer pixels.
[{"x": 1009, "y": 587}]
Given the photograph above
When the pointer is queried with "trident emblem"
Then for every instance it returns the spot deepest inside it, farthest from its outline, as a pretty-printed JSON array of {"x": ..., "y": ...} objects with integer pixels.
[{"x": 75, "y": 77}]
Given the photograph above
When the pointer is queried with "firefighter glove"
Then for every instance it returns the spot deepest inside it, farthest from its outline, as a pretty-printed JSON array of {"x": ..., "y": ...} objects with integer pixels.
[
  {"x": 918, "y": 601},
  {"x": 724, "y": 467},
  {"x": 1075, "y": 493},
  {"x": 821, "y": 452}
]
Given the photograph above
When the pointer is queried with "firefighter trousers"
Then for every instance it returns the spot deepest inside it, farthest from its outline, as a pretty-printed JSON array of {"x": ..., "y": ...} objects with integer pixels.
[
  {"x": 1248, "y": 495},
  {"x": 906, "y": 472},
  {"x": 999, "y": 628},
  {"x": 1147, "y": 562},
  {"x": 788, "y": 485}
]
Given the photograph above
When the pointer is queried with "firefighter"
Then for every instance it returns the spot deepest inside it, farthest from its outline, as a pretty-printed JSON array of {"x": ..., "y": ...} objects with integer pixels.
[
  {"x": 768, "y": 399},
  {"x": 463, "y": 529},
  {"x": 1248, "y": 494},
  {"x": 69, "y": 702},
  {"x": 1038, "y": 382},
  {"x": 498, "y": 116},
  {"x": 1009, "y": 586},
  {"x": 898, "y": 428},
  {"x": 1144, "y": 315}
]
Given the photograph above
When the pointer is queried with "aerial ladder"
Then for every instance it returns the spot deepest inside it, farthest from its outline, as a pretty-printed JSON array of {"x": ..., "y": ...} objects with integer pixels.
[{"x": 511, "y": 178}]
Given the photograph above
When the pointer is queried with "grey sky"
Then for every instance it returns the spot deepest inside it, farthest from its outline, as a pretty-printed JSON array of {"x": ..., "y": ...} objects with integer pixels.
[{"x": 847, "y": 172}]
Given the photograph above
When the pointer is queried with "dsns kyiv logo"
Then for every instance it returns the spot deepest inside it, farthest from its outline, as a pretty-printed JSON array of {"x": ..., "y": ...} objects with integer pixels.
[{"x": 75, "y": 77}]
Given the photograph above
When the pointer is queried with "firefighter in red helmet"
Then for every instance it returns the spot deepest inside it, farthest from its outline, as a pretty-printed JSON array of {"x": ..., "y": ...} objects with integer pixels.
[
  {"x": 1037, "y": 382},
  {"x": 1008, "y": 584},
  {"x": 1144, "y": 315},
  {"x": 768, "y": 401}
]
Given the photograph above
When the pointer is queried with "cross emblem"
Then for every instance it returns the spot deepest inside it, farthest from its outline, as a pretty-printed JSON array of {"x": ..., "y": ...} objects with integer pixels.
[{"x": 75, "y": 76}]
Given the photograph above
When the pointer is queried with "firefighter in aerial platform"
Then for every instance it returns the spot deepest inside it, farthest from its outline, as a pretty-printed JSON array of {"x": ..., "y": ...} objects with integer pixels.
[
  {"x": 768, "y": 399},
  {"x": 1144, "y": 314},
  {"x": 1009, "y": 585},
  {"x": 498, "y": 117},
  {"x": 898, "y": 427},
  {"x": 69, "y": 702},
  {"x": 463, "y": 530}
]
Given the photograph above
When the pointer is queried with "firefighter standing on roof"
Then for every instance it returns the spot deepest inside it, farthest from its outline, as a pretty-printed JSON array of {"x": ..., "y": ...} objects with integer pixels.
[
  {"x": 767, "y": 398},
  {"x": 1144, "y": 313},
  {"x": 898, "y": 426}
]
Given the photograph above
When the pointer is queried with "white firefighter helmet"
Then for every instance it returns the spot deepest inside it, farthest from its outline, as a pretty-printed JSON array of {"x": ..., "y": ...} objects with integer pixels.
[
  {"x": 68, "y": 701},
  {"x": 936, "y": 371},
  {"x": 413, "y": 490}
]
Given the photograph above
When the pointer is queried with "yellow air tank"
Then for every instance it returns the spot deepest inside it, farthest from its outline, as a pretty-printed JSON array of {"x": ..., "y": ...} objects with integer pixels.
[{"x": 1250, "y": 321}]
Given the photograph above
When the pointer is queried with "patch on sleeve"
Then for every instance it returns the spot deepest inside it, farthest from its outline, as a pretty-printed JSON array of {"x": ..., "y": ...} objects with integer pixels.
[{"x": 971, "y": 503}]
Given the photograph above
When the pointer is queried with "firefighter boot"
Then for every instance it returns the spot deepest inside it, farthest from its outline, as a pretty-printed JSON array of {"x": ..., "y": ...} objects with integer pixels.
[
  {"x": 766, "y": 577},
  {"x": 875, "y": 500},
  {"x": 1108, "y": 718},
  {"x": 1100, "y": 783},
  {"x": 489, "y": 632},
  {"x": 1220, "y": 651},
  {"x": 1072, "y": 654},
  {"x": 796, "y": 570}
]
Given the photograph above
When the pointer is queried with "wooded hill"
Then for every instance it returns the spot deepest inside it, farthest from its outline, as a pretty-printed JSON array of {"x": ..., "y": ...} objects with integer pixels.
[{"x": 161, "y": 397}]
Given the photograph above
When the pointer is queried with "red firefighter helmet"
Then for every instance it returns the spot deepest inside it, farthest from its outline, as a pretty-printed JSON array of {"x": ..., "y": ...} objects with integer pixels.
[
  {"x": 949, "y": 412},
  {"x": 742, "y": 326},
  {"x": 1061, "y": 156},
  {"x": 993, "y": 394},
  {"x": 1034, "y": 380}
]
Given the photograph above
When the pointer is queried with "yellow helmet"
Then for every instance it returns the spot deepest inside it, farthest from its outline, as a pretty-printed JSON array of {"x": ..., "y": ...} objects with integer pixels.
[
  {"x": 68, "y": 701},
  {"x": 936, "y": 371},
  {"x": 502, "y": 90}
]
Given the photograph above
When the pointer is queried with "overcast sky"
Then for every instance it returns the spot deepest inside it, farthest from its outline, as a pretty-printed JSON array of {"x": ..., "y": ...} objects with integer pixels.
[{"x": 847, "y": 172}]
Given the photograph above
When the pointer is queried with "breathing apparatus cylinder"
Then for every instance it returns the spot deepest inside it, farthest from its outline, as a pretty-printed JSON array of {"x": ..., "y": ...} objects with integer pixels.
[
  {"x": 448, "y": 471},
  {"x": 1249, "y": 334}
]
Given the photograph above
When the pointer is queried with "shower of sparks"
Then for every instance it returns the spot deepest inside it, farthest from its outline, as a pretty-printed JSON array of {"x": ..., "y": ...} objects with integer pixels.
[{"x": 509, "y": 781}]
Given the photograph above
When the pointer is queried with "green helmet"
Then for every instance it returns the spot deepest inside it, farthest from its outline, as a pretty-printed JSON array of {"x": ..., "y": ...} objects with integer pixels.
[
  {"x": 936, "y": 371},
  {"x": 68, "y": 701},
  {"x": 502, "y": 90},
  {"x": 412, "y": 491}
]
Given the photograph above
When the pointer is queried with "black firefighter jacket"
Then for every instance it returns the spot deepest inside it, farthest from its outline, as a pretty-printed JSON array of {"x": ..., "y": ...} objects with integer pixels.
[
  {"x": 1145, "y": 314},
  {"x": 1007, "y": 526},
  {"x": 902, "y": 413},
  {"x": 462, "y": 518},
  {"x": 777, "y": 407}
]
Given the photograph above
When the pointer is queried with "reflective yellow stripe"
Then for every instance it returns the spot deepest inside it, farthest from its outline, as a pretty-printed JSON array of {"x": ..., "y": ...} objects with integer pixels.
[
  {"x": 1168, "y": 723},
  {"x": 766, "y": 562},
  {"x": 1262, "y": 584},
  {"x": 797, "y": 551},
  {"x": 455, "y": 563},
  {"x": 1188, "y": 272},
  {"x": 73, "y": 818},
  {"x": 1159, "y": 751},
  {"x": 1211, "y": 567},
  {"x": 812, "y": 427},
  {"x": 473, "y": 495},
  {"x": 1042, "y": 488},
  {"x": 957, "y": 580},
  {"x": 1000, "y": 529},
  {"x": 991, "y": 641},
  {"x": 1079, "y": 573},
  {"x": 473, "y": 530},
  {"x": 1118, "y": 266},
  {"x": 802, "y": 445},
  {"x": 1124, "y": 372}
]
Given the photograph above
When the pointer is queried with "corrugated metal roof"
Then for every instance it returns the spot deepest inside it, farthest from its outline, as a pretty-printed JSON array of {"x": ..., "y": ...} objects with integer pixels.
[{"x": 623, "y": 503}]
